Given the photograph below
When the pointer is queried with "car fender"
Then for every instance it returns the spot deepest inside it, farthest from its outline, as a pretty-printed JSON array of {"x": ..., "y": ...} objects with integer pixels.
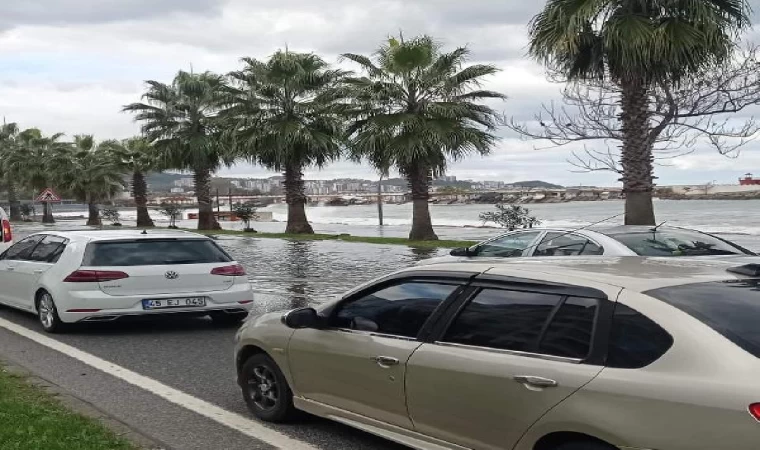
[{"x": 268, "y": 333}]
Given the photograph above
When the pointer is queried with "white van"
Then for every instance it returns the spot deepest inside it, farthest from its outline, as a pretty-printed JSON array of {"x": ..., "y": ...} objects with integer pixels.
[{"x": 6, "y": 235}]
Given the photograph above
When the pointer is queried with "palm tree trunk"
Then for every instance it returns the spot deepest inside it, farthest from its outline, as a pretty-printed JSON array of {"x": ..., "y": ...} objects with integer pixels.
[
  {"x": 140, "y": 191},
  {"x": 637, "y": 159},
  {"x": 419, "y": 183},
  {"x": 15, "y": 204},
  {"x": 296, "y": 199},
  {"x": 206, "y": 219},
  {"x": 93, "y": 217}
]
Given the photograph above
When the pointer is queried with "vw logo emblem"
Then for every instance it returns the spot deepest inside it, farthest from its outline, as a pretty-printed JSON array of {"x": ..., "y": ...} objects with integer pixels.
[{"x": 171, "y": 275}]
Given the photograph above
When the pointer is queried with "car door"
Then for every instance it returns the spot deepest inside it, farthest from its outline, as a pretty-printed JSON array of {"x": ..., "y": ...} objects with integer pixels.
[
  {"x": 519, "y": 243},
  {"x": 11, "y": 283},
  {"x": 29, "y": 271},
  {"x": 507, "y": 357},
  {"x": 358, "y": 363}
]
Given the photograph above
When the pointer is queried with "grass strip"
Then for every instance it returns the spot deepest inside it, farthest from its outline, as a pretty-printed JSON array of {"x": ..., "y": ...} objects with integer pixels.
[
  {"x": 342, "y": 237},
  {"x": 32, "y": 419}
]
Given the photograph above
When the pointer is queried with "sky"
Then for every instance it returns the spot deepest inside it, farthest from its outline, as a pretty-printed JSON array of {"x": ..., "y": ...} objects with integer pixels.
[{"x": 69, "y": 66}]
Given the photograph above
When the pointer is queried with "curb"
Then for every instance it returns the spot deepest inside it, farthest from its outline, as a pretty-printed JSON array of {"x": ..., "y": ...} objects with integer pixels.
[{"x": 84, "y": 408}]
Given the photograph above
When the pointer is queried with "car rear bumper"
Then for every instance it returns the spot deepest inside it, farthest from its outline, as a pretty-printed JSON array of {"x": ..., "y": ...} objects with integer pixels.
[{"x": 89, "y": 306}]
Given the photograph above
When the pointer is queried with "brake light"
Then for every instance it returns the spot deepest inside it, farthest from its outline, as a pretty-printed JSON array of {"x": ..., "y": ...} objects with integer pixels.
[
  {"x": 229, "y": 271},
  {"x": 94, "y": 276},
  {"x": 7, "y": 234},
  {"x": 754, "y": 409}
]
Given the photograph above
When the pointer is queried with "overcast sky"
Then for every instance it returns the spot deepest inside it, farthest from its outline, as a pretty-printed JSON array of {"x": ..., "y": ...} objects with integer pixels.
[{"x": 69, "y": 66}]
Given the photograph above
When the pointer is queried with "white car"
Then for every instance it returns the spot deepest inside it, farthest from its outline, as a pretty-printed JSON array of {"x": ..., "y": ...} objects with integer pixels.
[
  {"x": 6, "y": 234},
  {"x": 96, "y": 276},
  {"x": 617, "y": 241}
]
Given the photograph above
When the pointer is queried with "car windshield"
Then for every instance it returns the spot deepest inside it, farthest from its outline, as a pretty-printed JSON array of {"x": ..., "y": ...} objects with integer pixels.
[
  {"x": 731, "y": 308},
  {"x": 148, "y": 252},
  {"x": 670, "y": 242}
]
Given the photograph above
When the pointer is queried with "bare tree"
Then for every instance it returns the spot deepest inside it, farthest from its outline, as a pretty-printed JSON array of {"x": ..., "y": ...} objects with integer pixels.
[{"x": 698, "y": 111}]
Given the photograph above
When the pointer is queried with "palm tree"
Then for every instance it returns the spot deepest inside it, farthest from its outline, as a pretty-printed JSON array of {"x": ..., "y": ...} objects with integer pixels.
[
  {"x": 181, "y": 120},
  {"x": 91, "y": 173},
  {"x": 31, "y": 162},
  {"x": 138, "y": 157},
  {"x": 636, "y": 44},
  {"x": 8, "y": 140},
  {"x": 285, "y": 114},
  {"x": 418, "y": 107}
]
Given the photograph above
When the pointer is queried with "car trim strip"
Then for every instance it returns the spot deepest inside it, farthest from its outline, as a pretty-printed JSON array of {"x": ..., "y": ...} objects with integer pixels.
[{"x": 510, "y": 352}]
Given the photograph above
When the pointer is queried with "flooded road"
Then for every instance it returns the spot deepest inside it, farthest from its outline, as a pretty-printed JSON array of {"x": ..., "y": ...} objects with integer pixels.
[{"x": 290, "y": 274}]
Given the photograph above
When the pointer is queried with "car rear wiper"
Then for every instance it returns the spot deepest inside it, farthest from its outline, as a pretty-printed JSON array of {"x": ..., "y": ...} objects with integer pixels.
[{"x": 181, "y": 261}]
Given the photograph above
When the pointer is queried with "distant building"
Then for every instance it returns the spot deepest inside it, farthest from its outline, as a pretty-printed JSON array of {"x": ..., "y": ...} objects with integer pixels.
[
  {"x": 184, "y": 182},
  {"x": 177, "y": 190},
  {"x": 447, "y": 179},
  {"x": 748, "y": 180},
  {"x": 236, "y": 183}
]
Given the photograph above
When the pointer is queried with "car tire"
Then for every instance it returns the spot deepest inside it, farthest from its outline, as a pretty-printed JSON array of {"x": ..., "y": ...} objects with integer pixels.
[
  {"x": 228, "y": 319},
  {"x": 584, "y": 445},
  {"x": 47, "y": 314},
  {"x": 266, "y": 391}
]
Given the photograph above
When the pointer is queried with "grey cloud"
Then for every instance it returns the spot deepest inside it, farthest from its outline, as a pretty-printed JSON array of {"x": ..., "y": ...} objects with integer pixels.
[{"x": 89, "y": 11}]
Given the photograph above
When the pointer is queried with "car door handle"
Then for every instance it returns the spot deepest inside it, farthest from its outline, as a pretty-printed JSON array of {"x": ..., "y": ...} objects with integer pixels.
[
  {"x": 385, "y": 361},
  {"x": 10, "y": 269},
  {"x": 37, "y": 272},
  {"x": 535, "y": 382}
]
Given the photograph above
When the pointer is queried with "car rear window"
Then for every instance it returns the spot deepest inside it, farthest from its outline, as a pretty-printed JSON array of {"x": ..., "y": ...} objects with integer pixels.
[
  {"x": 664, "y": 242},
  {"x": 731, "y": 308},
  {"x": 154, "y": 252}
]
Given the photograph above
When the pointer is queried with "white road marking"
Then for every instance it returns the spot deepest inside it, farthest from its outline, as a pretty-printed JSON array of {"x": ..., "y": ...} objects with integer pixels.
[{"x": 229, "y": 419}]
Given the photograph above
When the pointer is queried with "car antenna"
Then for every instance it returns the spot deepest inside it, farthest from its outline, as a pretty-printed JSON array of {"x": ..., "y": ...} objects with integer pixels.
[
  {"x": 657, "y": 227},
  {"x": 572, "y": 231}
]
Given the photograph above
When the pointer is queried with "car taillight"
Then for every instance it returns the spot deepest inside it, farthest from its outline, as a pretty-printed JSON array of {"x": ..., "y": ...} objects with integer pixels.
[
  {"x": 229, "y": 271},
  {"x": 94, "y": 276},
  {"x": 7, "y": 234},
  {"x": 754, "y": 409}
]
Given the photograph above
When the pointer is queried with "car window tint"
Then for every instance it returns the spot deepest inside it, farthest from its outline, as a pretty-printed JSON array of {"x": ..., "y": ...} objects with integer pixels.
[
  {"x": 500, "y": 319},
  {"x": 399, "y": 310},
  {"x": 22, "y": 249},
  {"x": 636, "y": 341},
  {"x": 570, "y": 330},
  {"x": 50, "y": 248},
  {"x": 732, "y": 308},
  {"x": 668, "y": 242},
  {"x": 561, "y": 244},
  {"x": 154, "y": 252},
  {"x": 509, "y": 245}
]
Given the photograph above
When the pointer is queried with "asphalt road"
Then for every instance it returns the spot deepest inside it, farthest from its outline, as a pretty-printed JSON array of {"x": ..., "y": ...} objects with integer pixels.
[{"x": 191, "y": 355}]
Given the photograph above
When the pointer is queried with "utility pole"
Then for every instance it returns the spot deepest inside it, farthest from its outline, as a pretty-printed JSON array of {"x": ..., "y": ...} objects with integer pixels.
[
  {"x": 380, "y": 200},
  {"x": 229, "y": 197},
  {"x": 218, "y": 206}
]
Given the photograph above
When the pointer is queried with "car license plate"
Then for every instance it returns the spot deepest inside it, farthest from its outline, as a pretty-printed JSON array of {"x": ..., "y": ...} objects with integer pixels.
[{"x": 189, "y": 302}]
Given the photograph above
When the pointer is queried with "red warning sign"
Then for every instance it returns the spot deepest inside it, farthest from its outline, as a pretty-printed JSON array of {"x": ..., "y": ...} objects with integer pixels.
[{"x": 48, "y": 195}]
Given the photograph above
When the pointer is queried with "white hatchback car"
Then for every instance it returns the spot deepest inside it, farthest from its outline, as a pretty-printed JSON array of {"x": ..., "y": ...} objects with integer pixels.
[
  {"x": 6, "y": 235},
  {"x": 95, "y": 276}
]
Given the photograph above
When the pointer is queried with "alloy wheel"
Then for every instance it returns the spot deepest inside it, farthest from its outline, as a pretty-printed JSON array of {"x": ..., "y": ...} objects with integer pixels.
[
  {"x": 47, "y": 310},
  {"x": 263, "y": 388}
]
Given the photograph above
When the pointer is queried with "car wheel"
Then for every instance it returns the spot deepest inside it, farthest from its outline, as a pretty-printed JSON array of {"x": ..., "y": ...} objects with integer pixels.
[
  {"x": 265, "y": 390},
  {"x": 47, "y": 312},
  {"x": 228, "y": 319},
  {"x": 584, "y": 445}
]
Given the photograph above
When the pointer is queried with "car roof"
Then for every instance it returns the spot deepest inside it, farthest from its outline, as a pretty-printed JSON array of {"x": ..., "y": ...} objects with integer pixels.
[
  {"x": 114, "y": 235},
  {"x": 636, "y": 273}
]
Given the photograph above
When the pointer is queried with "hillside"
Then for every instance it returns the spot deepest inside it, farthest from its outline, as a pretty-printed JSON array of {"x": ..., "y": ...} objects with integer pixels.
[{"x": 536, "y": 184}]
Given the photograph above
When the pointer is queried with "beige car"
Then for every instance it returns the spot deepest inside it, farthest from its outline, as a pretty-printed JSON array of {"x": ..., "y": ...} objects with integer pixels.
[{"x": 563, "y": 353}]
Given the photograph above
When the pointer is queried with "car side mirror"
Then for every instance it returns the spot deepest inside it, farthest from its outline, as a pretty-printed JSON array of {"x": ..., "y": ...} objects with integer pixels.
[
  {"x": 462, "y": 251},
  {"x": 302, "y": 318}
]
